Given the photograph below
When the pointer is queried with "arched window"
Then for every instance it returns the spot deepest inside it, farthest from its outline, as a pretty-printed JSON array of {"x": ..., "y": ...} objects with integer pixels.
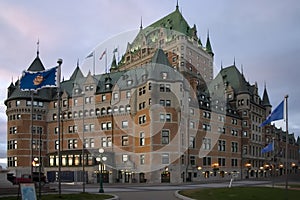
[
  {"x": 103, "y": 111},
  {"x": 75, "y": 114},
  {"x": 92, "y": 112},
  {"x": 97, "y": 111},
  {"x": 128, "y": 108},
  {"x": 121, "y": 109},
  {"x": 109, "y": 110}
]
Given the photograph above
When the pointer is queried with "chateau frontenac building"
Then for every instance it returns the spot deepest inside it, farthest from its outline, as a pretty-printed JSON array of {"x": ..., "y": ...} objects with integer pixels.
[{"x": 159, "y": 114}]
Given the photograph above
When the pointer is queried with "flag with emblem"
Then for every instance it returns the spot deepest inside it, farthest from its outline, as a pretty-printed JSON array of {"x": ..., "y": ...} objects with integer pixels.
[{"x": 35, "y": 80}]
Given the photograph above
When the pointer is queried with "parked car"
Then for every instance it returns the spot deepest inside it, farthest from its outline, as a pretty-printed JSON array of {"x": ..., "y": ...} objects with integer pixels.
[{"x": 26, "y": 178}]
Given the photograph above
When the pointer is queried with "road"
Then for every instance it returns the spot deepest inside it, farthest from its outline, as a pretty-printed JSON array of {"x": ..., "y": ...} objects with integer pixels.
[{"x": 147, "y": 191}]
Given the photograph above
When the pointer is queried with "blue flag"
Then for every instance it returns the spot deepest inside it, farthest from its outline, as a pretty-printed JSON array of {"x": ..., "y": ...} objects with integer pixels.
[
  {"x": 36, "y": 80},
  {"x": 268, "y": 148},
  {"x": 277, "y": 114}
]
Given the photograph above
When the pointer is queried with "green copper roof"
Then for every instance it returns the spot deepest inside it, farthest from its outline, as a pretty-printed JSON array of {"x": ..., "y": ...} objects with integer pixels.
[
  {"x": 208, "y": 47},
  {"x": 232, "y": 76}
]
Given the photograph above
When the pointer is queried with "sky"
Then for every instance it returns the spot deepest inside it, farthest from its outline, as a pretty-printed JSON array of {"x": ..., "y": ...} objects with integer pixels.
[{"x": 262, "y": 36}]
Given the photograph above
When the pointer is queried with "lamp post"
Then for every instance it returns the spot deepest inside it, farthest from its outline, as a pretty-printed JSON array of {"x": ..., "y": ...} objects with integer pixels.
[
  {"x": 100, "y": 159},
  {"x": 248, "y": 165}
]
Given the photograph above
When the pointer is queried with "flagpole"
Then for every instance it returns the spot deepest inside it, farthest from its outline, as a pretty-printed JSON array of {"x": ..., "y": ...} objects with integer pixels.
[
  {"x": 59, "y": 62},
  {"x": 94, "y": 62},
  {"x": 286, "y": 144},
  {"x": 106, "y": 61},
  {"x": 31, "y": 129}
]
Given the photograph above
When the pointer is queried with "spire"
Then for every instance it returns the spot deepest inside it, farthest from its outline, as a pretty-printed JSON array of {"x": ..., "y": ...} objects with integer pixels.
[
  {"x": 177, "y": 7},
  {"x": 265, "y": 100},
  {"x": 208, "y": 46},
  {"x": 242, "y": 70},
  {"x": 141, "y": 26},
  {"x": 77, "y": 62},
  {"x": 221, "y": 64},
  {"x": 38, "y": 48},
  {"x": 77, "y": 73},
  {"x": 114, "y": 63},
  {"x": 233, "y": 60}
]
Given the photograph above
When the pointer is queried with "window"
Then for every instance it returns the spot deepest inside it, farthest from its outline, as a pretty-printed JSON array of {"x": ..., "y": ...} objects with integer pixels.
[
  {"x": 103, "y": 126},
  {"x": 103, "y": 97},
  {"x": 18, "y": 103},
  {"x": 192, "y": 124},
  {"x": 56, "y": 143},
  {"x": 129, "y": 82},
  {"x": 161, "y": 87},
  {"x": 234, "y": 162},
  {"x": 142, "y": 90},
  {"x": 222, "y": 161},
  {"x": 165, "y": 158},
  {"x": 206, "y": 143},
  {"x": 124, "y": 124},
  {"x": 206, "y": 161},
  {"x": 75, "y": 102},
  {"x": 115, "y": 96},
  {"x": 165, "y": 136},
  {"x": 12, "y": 144},
  {"x": 221, "y": 145},
  {"x": 125, "y": 141},
  {"x": 193, "y": 160},
  {"x": 72, "y": 143},
  {"x": 206, "y": 115},
  {"x": 65, "y": 103},
  {"x": 168, "y": 103},
  {"x": 168, "y": 87},
  {"x": 162, "y": 102},
  {"x": 206, "y": 127},
  {"x": 192, "y": 142},
  {"x": 124, "y": 157},
  {"x": 164, "y": 75},
  {"x": 13, "y": 130},
  {"x": 103, "y": 142},
  {"x": 142, "y": 139},
  {"x": 106, "y": 142},
  {"x": 165, "y": 117},
  {"x": 142, "y": 119},
  {"x": 234, "y": 132},
  {"x": 108, "y": 125},
  {"x": 128, "y": 94},
  {"x": 221, "y": 130},
  {"x": 142, "y": 159},
  {"x": 234, "y": 147}
]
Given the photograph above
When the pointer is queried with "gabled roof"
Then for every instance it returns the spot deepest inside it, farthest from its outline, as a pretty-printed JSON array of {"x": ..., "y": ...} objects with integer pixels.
[
  {"x": 77, "y": 74},
  {"x": 160, "y": 57},
  {"x": 232, "y": 76}
]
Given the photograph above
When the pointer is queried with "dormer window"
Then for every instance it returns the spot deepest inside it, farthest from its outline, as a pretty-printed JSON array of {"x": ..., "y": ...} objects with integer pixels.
[
  {"x": 129, "y": 82},
  {"x": 164, "y": 75}
]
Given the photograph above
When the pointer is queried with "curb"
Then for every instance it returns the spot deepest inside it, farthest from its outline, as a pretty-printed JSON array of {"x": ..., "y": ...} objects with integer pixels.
[{"x": 179, "y": 196}]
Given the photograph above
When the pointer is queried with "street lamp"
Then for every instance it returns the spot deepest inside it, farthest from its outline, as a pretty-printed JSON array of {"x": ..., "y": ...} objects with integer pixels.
[
  {"x": 100, "y": 159},
  {"x": 248, "y": 165}
]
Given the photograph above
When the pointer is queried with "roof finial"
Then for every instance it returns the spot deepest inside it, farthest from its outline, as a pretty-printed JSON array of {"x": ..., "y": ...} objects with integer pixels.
[
  {"x": 234, "y": 61},
  {"x": 177, "y": 7},
  {"x": 141, "y": 27},
  {"x": 77, "y": 62},
  {"x": 221, "y": 64},
  {"x": 38, "y": 47},
  {"x": 242, "y": 70}
]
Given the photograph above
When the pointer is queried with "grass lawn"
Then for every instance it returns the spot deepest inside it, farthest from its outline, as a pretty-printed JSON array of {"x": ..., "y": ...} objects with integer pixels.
[
  {"x": 80, "y": 196},
  {"x": 241, "y": 193}
]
